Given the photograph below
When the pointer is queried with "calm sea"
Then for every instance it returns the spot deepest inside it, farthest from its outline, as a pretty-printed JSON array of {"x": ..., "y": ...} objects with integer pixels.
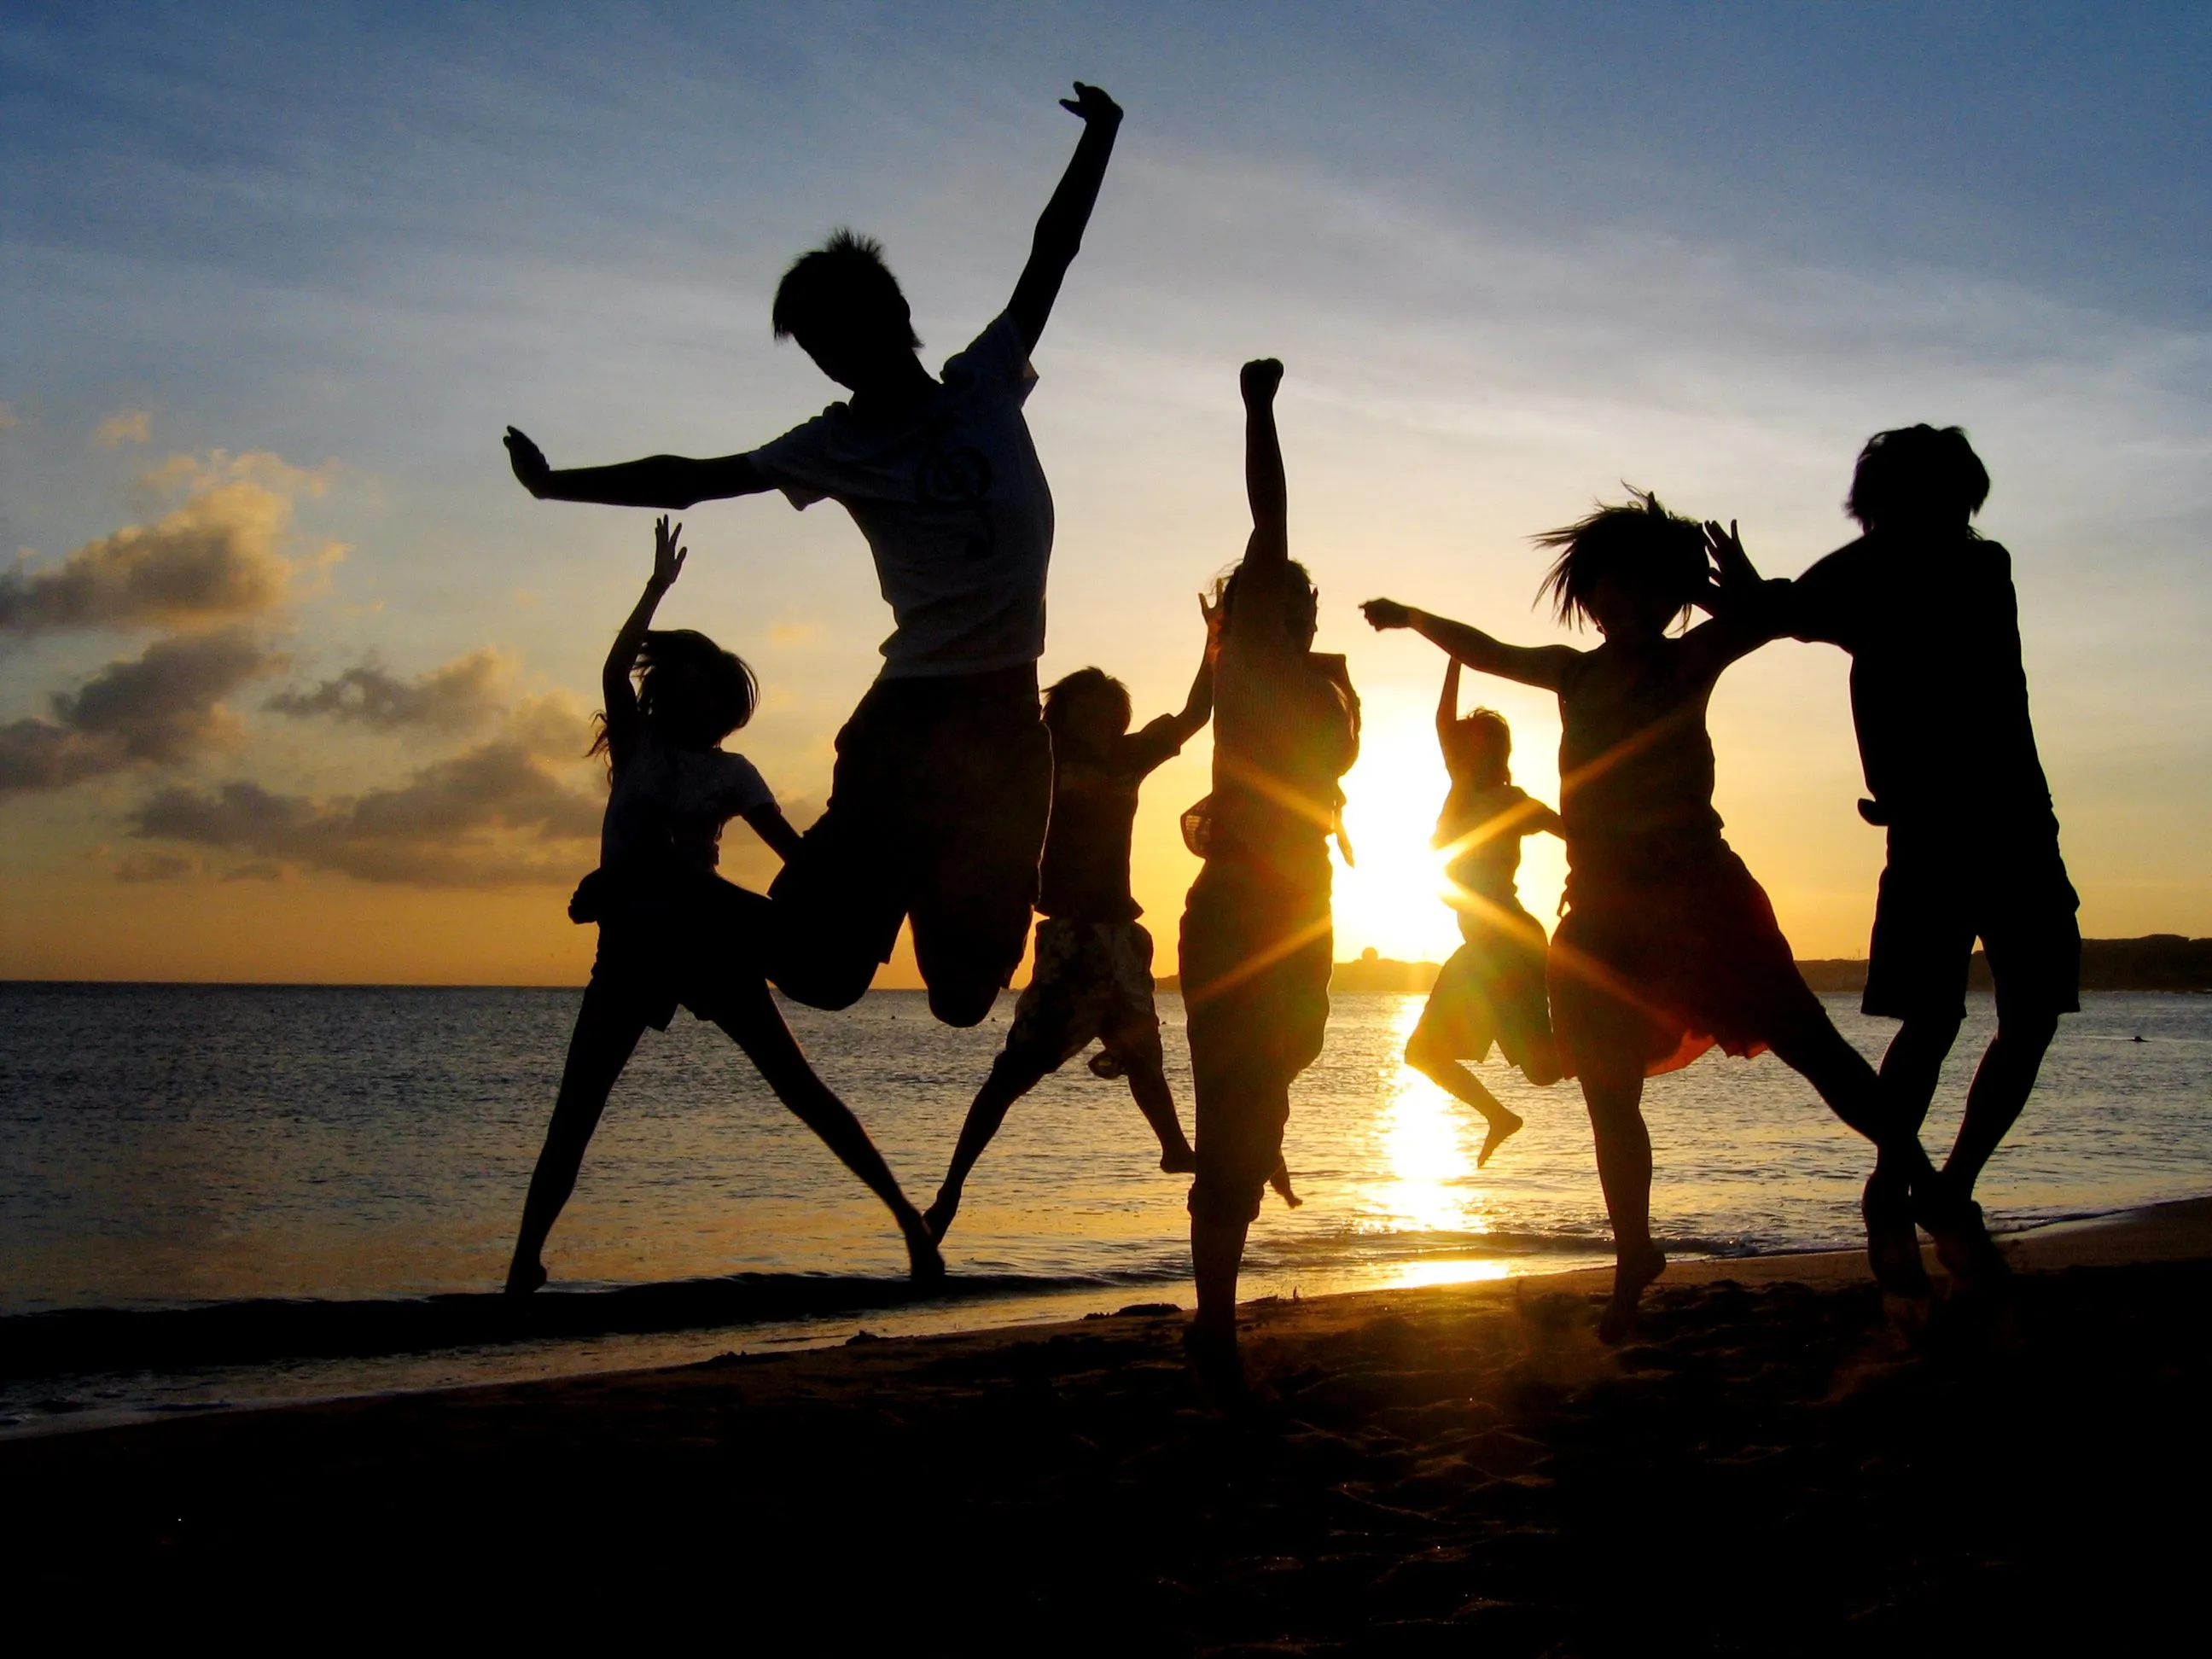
[{"x": 234, "y": 1170}]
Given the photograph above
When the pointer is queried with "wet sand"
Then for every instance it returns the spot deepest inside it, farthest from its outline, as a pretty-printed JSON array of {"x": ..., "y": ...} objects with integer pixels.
[{"x": 1771, "y": 1468}]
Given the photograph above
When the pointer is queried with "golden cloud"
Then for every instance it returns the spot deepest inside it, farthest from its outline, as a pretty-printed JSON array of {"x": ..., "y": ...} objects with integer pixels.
[{"x": 213, "y": 560}]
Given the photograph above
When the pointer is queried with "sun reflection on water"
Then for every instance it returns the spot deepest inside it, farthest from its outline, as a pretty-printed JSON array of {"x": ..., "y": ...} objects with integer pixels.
[{"x": 1426, "y": 1150}]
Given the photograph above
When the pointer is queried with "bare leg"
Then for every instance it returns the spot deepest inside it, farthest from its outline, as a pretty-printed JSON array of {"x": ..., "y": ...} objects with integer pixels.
[
  {"x": 1910, "y": 1070},
  {"x": 606, "y": 1035},
  {"x": 1012, "y": 1076},
  {"x": 756, "y": 1024},
  {"x": 1455, "y": 1080},
  {"x": 1612, "y": 1090},
  {"x": 2002, "y": 1083},
  {"x": 1911, "y": 1067},
  {"x": 1148, "y": 1087},
  {"x": 1839, "y": 1072}
]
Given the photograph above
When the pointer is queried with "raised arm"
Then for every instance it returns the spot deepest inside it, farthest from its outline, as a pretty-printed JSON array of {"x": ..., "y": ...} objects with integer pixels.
[
  {"x": 615, "y": 687},
  {"x": 672, "y": 482},
  {"x": 1060, "y": 228},
  {"x": 1541, "y": 665},
  {"x": 1198, "y": 707},
  {"x": 1255, "y": 622},
  {"x": 1448, "y": 704}
]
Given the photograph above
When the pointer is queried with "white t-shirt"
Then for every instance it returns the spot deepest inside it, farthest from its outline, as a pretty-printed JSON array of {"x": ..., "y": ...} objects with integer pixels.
[
  {"x": 669, "y": 804},
  {"x": 954, "y": 508}
]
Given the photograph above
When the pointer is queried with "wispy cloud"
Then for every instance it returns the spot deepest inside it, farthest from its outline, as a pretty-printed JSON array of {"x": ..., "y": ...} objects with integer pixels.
[{"x": 127, "y": 427}]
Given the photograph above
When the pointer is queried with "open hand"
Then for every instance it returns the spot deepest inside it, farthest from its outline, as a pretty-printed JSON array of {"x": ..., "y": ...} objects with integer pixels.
[
  {"x": 1384, "y": 614},
  {"x": 1092, "y": 103},
  {"x": 1732, "y": 566},
  {"x": 1209, "y": 612},
  {"x": 528, "y": 461},
  {"x": 668, "y": 556}
]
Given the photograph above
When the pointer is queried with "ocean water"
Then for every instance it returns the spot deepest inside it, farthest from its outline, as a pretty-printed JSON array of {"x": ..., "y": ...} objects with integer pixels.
[{"x": 266, "y": 1155}]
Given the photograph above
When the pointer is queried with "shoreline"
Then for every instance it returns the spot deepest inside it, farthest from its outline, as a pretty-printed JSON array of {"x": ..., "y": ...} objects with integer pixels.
[
  {"x": 1769, "y": 1467},
  {"x": 764, "y": 1338}
]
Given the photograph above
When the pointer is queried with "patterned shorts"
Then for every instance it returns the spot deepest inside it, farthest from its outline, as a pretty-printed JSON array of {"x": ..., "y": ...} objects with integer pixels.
[{"x": 1091, "y": 979}]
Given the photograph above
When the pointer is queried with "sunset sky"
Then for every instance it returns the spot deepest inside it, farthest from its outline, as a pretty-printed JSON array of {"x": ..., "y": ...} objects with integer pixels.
[{"x": 294, "y": 678}]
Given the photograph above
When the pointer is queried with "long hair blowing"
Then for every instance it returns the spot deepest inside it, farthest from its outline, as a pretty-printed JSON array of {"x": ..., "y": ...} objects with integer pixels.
[
  {"x": 689, "y": 688},
  {"x": 1639, "y": 539}
]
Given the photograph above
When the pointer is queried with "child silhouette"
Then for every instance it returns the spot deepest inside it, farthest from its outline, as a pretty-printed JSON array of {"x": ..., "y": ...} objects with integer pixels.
[
  {"x": 944, "y": 774},
  {"x": 1492, "y": 991},
  {"x": 671, "y": 931},
  {"x": 1668, "y": 945},
  {"x": 1092, "y": 978}
]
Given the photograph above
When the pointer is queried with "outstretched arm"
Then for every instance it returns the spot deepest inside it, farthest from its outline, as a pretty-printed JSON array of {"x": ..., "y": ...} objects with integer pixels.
[
  {"x": 1060, "y": 228},
  {"x": 673, "y": 481},
  {"x": 1448, "y": 704},
  {"x": 1541, "y": 665},
  {"x": 1746, "y": 611},
  {"x": 615, "y": 687}
]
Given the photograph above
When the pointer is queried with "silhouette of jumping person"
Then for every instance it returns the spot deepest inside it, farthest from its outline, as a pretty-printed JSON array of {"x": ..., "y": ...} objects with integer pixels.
[
  {"x": 671, "y": 931},
  {"x": 1492, "y": 991},
  {"x": 1926, "y": 608},
  {"x": 943, "y": 780},
  {"x": 1668, "y": 945},
  {"x": 1256, "y": 934},
  {"x": 1092, "y": 978}
]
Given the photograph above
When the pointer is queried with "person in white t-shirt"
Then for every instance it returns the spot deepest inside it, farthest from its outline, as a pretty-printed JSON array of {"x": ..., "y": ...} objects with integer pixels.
[
  {"x": 944, "y": 774},
  {"x": 671, "y": 931}
]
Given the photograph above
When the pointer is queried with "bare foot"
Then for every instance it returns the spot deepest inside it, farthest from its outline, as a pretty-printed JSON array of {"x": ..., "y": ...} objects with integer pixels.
[
  {"x": 1503, "y": 1124},
  {"x": 523, "y": 1277},
  {"x": 1963, "y": 1246},
  {"x": 1630, "y": 1275},
  {"x": 1280, "y": 1181},
  {"x": 1178, "y": 1160},
  {"x": 1893, "y": 1246},
  {"x": 1218, "y": 1366},
  {"x": 923, "y": 1263},
  {"x": 938, "y": 1218}
]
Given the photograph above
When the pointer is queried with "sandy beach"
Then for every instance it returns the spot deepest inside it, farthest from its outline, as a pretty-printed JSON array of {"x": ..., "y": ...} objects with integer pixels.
[{"x": 1771, "y": 1468}]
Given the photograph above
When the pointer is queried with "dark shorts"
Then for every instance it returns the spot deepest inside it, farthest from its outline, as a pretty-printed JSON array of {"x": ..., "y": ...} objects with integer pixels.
[
  {"x": 1257, "y": 954},
  {"x": 696, "y": 946},
  {"x": 1092, "y": 981},
  {"x": 1492, "y": 991},
  {"x": 1667, "y": 965},
  {"x": 937, "y": 813},
  {"x": 1941, "y": 893}
]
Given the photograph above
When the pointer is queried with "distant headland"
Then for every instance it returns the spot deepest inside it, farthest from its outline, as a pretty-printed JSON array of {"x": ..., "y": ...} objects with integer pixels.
[{"x": 2156, "y": 962}]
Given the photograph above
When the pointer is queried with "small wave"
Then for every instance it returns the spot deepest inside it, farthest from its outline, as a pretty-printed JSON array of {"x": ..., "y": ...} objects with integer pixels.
[{"x": 78, "y": 1340}]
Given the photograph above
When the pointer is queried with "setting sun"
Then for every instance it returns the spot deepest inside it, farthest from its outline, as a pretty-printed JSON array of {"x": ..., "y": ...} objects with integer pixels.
[{"x": 1395, "y": 898}]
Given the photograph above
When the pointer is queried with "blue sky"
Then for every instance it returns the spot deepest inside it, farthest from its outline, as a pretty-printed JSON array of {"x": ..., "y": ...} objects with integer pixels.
[{"x": 1513, "y": 256}]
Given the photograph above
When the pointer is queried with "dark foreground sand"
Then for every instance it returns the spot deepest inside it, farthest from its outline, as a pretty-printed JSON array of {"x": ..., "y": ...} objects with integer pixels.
[{"x": 1456, "y": 1470}]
